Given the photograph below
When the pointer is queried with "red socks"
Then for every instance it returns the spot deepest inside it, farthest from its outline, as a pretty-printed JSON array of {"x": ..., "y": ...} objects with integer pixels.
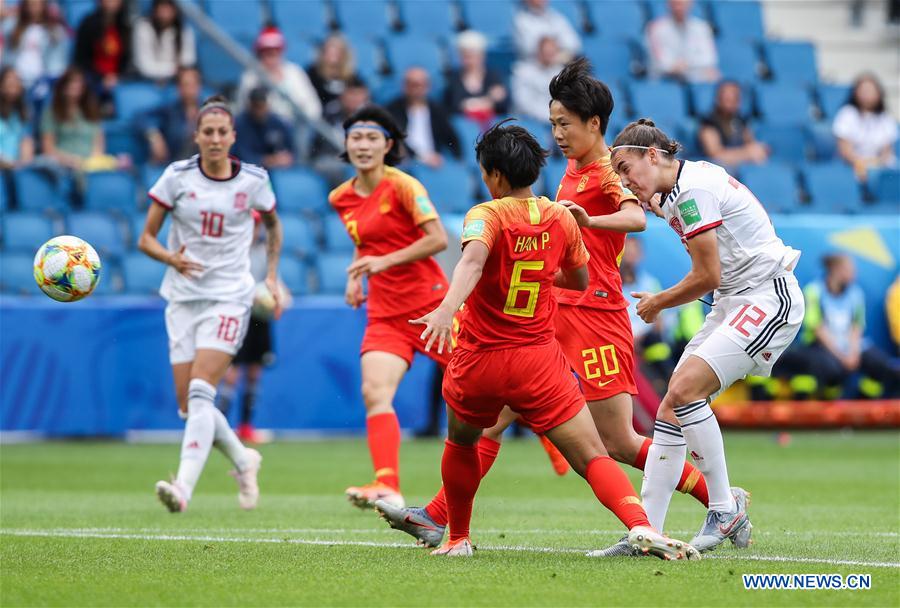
[
  {"x": 614, "y": 490},
  {"x": 692, "y": 481},
  {"x": 383, "y": 433},
  {"x": 487, "y": 454},
  {"x": 461, "y": 472}
]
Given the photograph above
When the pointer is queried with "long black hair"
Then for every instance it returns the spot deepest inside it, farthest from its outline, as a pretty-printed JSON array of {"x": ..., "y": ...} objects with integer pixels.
[
  {"x": 177, "y": 23},
  {"x": 382, "y": 118}
]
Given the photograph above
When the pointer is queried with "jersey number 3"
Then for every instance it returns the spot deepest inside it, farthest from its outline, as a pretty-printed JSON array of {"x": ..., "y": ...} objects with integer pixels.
[{"x": 517, "y": 285}]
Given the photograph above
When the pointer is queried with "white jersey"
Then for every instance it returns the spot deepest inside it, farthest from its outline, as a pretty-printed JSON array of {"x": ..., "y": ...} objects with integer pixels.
[
  {"x": 705, "y": 198},
  {"x": 212, "y": 219}
]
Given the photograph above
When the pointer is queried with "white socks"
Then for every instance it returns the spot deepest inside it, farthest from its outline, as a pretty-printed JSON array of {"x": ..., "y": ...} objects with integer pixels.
[
  {"x": 704, "y": 439},
  {"x": 227, "y": 440},
  {"x": 665, "y": 461}
]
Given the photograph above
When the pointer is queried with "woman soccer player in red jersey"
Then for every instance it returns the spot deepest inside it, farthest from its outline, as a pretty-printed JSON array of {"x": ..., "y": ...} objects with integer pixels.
[{"x": 396, "y": 231}]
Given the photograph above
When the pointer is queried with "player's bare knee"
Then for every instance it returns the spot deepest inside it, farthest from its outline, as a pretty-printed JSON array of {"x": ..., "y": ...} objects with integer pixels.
[
  {"x": 682, "y": 389},
  {"x": 374, "y": 394}
]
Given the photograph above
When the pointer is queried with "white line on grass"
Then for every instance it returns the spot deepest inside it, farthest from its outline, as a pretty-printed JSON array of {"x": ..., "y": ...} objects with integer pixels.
[{"x": 63, "y": 533}]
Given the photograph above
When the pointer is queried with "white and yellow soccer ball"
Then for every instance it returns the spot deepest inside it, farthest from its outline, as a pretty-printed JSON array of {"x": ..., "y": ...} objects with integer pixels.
[
  {"x": 66, "y": 268},
  {"x": 264, "y": 302}
]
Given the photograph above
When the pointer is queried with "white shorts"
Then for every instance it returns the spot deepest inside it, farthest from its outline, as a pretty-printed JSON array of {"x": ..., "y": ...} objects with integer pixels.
[
  {"x": 745, "y": 334},
  {"x": 205, "y": 324}
]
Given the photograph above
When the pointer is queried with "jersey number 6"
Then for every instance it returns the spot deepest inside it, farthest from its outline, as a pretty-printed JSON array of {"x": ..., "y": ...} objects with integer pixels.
[{"x": 517, "y": 285}]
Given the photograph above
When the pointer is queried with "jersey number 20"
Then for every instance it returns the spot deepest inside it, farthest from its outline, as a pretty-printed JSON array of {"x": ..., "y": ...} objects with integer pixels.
[{"x": 517, "y": 285}]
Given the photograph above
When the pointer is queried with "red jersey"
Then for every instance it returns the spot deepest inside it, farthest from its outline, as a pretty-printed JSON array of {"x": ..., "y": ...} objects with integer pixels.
[
  {"x": 529, "y": 241},
  {"x": 387, "y": 220},
  {"x": 598, "y": 189}
]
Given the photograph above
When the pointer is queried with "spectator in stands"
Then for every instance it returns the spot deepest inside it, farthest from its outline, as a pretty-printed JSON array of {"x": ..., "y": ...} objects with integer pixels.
[
  {"x": 103, "y": 49},
  {"x": 333, "y": 69},
  {"x": 170, "y": 129},
  {"x": 429, "y": 133},
  {"x": 16, "y": 142},
  {"x": 864, "y": 129},
  {"x": 70, "y": 126},
  {"x": 531, "y": 79},
  {"x": 833, "y": 333},
  {"x": 534, "y": 21},
  {"x": 326, "y": 159},
  {"x": 163, "y": 43},
  {"x": 725, "y": 136},
  {"x": 290, "y": 78},
  {"x": 36, "y": 43},
  {"x": 475, "y": 90},
  {"x": 682, "y": 46},
  {"x": 262, "y": 137}
]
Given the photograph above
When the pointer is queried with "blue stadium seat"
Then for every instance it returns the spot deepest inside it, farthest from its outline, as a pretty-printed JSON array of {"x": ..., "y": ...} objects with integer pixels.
[
  {"x": 823, "y": 142},
  {"x": 432, "y": 19},
  {"x": 141, "y": 274},
  {"x": 703, "y": 99},
  {"x": 409, "y": 51},
  {"x": 218, "y": 68},
  {"x": 738, "y": 60},
  {"x": 5, "y": 202},
  {"x": 369, "y": 59},
  {"x": 832, "y": 97},
  {"x": 109, "y": 190},
  {"x": 98, "y": 229},
  {"x": 150, "y": 174},
  {"x": 621, "y": 106},
  {"x": 300, "y": 19},
  {"x": 467, "y": 131},
  {"x": 37, "y": 191},
  {"x": 886, "y": 186},
  {"x": 75, "y": 11},
  {"x": 134, "y": 98},
  {"x": 331, "y": 269},
  {"x": 293, "y": 273},
  {"x": 571, "y": 10},
  {"x": 612, "y": 60},
  {"x": 783, "y": 104},
  {"x": 832, "y": 188},
  {"x": 616, "y": 20},
  {"x": 774, "y": 184},
  {"x": 123, "y": 138},
  {"x": 793, "y": 62},
  {"x": 336, "y": 236},
  {"x": 386, "y": 89},
  {"x": 17, "y": 274},
  {"x": 553, "y": 174},
  {"x": 298, "y": 235},
  {"x": 738, "y": 20},
  {"x": 661, "y": 100},
  {"x": 241, "y": 19},
  {"x": 24, "y": 232},
  {"x": 299, "y": 189},
  {"x": 787, "y": 143},
  {"x": 363, "y": 18},
  {"x": 110, "y": 281},
  {"x": 449, "y": 186},
  {"x": 136, "y": 223},
  {"x": 494, "y": 19},
  {"x": 301, "y": 51}
]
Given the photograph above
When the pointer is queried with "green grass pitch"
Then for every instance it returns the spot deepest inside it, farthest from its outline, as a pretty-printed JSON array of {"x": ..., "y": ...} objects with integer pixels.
[{"x": 81, "y": 526}]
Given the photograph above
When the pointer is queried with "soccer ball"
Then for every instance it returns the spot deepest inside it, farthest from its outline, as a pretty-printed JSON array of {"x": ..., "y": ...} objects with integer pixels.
[
  {"x": 264, "y": 303},
  {"x": 66, "y": 268}
]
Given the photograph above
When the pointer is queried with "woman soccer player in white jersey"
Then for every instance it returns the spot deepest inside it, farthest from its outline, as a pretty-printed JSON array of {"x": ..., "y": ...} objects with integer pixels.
[
  {"x": 209, "y": 289},
  {"x": 757, "y": 311}
]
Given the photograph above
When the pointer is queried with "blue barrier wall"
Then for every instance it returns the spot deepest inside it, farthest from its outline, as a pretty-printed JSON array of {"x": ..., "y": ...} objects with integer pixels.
[{"x": 100, "y": 366}]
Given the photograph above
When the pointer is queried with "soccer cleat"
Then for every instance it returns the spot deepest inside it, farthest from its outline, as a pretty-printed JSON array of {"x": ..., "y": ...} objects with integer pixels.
[
  {"x": 742, "y": 540},
  {"x": 620, "y": 549},
  {"x": 365, "y": 496},
  {"x": 456, "y": 548},
  {"x": 248, "y": 488},
  {"x": 415, "y": 521},
  {"x": 719, "y": 526},
  {"x": 247, "y": 433},
  {"x": 650, "y": 542},
  {"x": 559, "y": 462},
  {"x": 171, "y": 496}
]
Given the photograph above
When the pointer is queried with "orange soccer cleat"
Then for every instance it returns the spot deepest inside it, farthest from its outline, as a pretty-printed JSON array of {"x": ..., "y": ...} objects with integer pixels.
[
  {"x": 456, "y": 548},
  {"x": 365, "y": 496},
  {"x": 560, "y": 464}
]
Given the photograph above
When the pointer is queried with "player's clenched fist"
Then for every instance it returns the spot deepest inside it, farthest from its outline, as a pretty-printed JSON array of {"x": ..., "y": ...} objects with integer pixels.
[{"x": 647, "y": 308}]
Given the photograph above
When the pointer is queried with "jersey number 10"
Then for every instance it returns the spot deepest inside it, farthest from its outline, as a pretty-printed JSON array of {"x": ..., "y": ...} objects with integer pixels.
[{"x": 212, "y": 223}]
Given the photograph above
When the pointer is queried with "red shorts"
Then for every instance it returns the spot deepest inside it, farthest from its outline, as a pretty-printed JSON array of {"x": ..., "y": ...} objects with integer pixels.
[
  {"x": 600, "y": 348},
  {"x": 397, "y": 336},
  {"x": 533, "y": 381}
]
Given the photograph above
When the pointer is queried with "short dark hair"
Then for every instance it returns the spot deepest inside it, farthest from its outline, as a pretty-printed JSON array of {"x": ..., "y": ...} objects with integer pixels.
[
  {"x": 644, "y": 132},
  {"x": 382, "y": 118},
  {"x": 580, "y": 92},
  {"x": 513, "y": 151}
]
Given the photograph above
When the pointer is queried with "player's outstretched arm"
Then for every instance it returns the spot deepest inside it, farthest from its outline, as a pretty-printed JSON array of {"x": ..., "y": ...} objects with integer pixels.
[
  {"x": 629, "y": 218},
  {"x": 274, "y": 238}
]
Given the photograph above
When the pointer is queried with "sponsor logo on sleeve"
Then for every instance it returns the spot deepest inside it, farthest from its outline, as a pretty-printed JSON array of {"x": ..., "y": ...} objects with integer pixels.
[
  {"x": 424, "y": 204},
  {"x": 689, "y": 211},
  {"x": 473, "y": 229}
]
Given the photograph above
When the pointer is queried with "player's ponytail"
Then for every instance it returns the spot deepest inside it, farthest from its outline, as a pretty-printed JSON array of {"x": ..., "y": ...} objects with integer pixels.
[{"x": 642, "y": 135}]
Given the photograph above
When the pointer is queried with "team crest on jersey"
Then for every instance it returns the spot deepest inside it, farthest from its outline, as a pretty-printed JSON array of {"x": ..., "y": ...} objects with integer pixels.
[
  {"x": 583, "y": 183},
  {"x": 675, "y": 223},
  {"x": 240, "y": 201},
  {"x": 385, "y": 205}
]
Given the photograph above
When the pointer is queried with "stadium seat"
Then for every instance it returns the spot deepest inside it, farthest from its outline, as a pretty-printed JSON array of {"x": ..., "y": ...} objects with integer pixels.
[
  {"x": 141, "y": 274},
  {"x": 37, "y": 190},
  {"x": 17, "y": 274},
  {"x": 832, "y": 97},
  {"x": 109, "y": 190},
  {"x": 363, "y": 18},
  {"x": 409, "y": 51},
  {"x": 135, "y": 98},
  {"x": 703, "y": 99},
  {"x": 240, "y": 19},
  {"x": 467, "y": 131},
  {"x": 553, "y": 174},
  {"x": 369, "y": 59},
  {"x": 298, "y": 235},
  {"x": 301, "y": 51},
  {"x": 612, "y": 60},
  {"x": 99, "y": 229},
  {"x": 336, "y": 237},
  {"x": 886, "y": 186},
  {"x": 386, "y": 89},
  {"x": 449, "y": 186},
  {"x": 793, "y": 62},
  {"x": 571, "y": 10},
  {"x": 24, "y": 232},
  {"x": 661, "y": 100},
  {"x": 832, "y": 188},
  {"x": 431, "y": 19},
  {"x": 218, "y": 68},
  {"x": 738, "y": 20},
  {"x": 150, "y": 174},
  {"x": 783, "y": 104},
  {"x": 823, "y": 142},
  {"x": 76, "y": 10},
  {"x": 136, "y": 223},
  {"x": 493, "y": 19},
  {"x": 738, "y": 60},
  {"x": 293, "y": 273},
  {"x": 787, "y": 143},
  {"x": 331, "y": 269},
  {"x": 615, "y": 20},
  {"x": 299, "y": 189},
  {"x": 774, "y": 184},
  {"x": 5, "y": 202},
  {"x": 300, "y": 19},
  {"x": 123, "y": 138}
]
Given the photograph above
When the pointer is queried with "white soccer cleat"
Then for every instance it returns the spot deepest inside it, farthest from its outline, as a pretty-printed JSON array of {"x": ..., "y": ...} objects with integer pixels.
[
  {"x": 248, "y": 488},
  {"x": 456, "y": 548},
  {"x": 171, "y": 496},
  {"x": 650, "y": 542},
  {"x": 365, "y": 496}
]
